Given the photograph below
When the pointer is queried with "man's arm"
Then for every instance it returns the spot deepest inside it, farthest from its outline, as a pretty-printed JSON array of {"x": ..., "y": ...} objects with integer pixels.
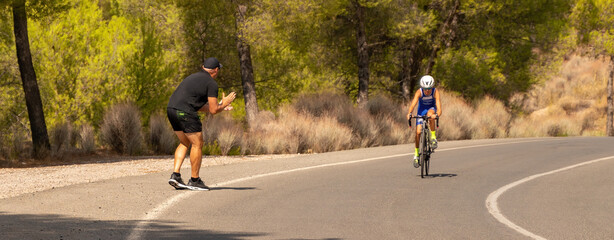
[
  {"x": 205, "y": 108},
  {"x": 226, "y": 100}
]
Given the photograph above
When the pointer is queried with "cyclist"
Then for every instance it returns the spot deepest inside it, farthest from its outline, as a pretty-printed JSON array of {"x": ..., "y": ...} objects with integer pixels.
[{"x": 429, "y": 104}]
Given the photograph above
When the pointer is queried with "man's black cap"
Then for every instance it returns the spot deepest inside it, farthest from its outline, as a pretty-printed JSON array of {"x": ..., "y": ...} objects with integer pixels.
[{"x": 212, "y": 63}]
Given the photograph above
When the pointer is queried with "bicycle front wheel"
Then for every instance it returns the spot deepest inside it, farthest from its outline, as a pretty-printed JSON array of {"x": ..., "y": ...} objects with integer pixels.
[{"x": 423, "y": 153}]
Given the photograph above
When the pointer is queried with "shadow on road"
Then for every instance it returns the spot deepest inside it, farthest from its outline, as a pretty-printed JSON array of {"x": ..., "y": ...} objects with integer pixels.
[
  {"x": 233, "y": 188},
  {"x": 441, "y": 175},
  {"x": 50, "y": 226}
]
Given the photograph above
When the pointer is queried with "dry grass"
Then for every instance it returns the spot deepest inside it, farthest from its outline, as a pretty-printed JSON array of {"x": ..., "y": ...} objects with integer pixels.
[
  {"x": 286, "y": 134},
  {"x": 545, "y": 127},
  {"x": 229, "y": 138},
  {"x": 390, "y": 120},
  {"x": 572, "y": 103},
  {"x": 121, "y": 129},
  {"x": 16, "y": 143},
  {"x": 491, "y": 119},
  {"x": 303, "y": 128},
  {"x": 457, "y": 121},
  {"x": 62, "y": 139},
  {"x": 223, "y": 131},
  {"x": 87, "y": 139},
  {"x": 328, "y": 135}
]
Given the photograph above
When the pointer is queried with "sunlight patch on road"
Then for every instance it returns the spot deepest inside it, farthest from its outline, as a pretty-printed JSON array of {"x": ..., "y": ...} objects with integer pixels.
[
  {"x": 138, "y": 230},
  {"x": 493, "y": 207}
]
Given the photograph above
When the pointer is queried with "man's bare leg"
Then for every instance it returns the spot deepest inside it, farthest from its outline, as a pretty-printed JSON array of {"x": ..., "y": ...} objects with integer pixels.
[
  {"x": 181, "y": 150},
  {"x": 196, "y": 154}
]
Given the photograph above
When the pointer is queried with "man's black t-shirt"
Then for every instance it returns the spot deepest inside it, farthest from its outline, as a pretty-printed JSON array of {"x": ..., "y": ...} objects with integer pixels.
[{"x": 192, "y": 93}]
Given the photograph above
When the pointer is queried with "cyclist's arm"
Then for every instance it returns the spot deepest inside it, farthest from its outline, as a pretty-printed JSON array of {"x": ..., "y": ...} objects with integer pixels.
[
  {"x": 413, "y": 104},
  {"x": 438, "y": 102}
]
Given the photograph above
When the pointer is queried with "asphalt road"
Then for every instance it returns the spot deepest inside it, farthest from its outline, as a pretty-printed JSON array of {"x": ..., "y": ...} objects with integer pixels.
[{"x": 557, "y": 188}]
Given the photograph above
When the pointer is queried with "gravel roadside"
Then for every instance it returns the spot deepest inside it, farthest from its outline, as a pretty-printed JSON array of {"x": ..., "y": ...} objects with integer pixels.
[{"x": 18, "y": 181}]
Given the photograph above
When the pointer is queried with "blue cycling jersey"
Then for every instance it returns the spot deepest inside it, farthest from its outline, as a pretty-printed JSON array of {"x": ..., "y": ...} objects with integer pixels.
[{"x": 426, "y": 103}]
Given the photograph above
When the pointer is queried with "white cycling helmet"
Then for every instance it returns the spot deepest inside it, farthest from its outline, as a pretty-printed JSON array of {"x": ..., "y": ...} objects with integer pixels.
[{"x": 427, "y": 81}]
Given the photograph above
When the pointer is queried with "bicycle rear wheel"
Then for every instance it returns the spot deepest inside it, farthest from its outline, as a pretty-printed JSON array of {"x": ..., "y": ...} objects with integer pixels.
[{"x": 427, "y": 164}]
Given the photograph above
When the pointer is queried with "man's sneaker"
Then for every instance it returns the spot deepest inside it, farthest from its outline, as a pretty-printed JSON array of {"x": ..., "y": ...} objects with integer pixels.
[
  {"x": 198, "y": 185},
  {"x": 434, "y": 143},
  {"x": 177, "y": 182},
  {"x": 416, "y": 161}
]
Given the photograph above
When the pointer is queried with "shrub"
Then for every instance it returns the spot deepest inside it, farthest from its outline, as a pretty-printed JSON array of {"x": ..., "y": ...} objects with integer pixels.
[
  {"x": 87, "y": 142},
  {"x": 252, "y": 142},
  {"x": 364, "y": 129},
  {"x": 323, "y": 103},
  {"x": 229, "y": 138},
  {"x": 61, "y": 138},
  {"x": 214, "y": 125},
  {"x": 292, "y": 126},
  {"x": 328, "y": 135},
  {"x": 295, "y": 132},
  {"x": 390, "y": 120},
  {"x": 222, "y": 130},
  {"x": 382, "y": 107},
  {"x": 288, "y": 134},
  {"x": 121, "y": 129},
  {"x": 457, "y": 120},
  {"x": 546, "y": 126},
  {"x": 4, "y": 152},
  {"x": 19, "y": 142},
  {"x": 161, "y": 136},
  {"x": 262, "y": 119},
  {"x": 491, "y": 118}
]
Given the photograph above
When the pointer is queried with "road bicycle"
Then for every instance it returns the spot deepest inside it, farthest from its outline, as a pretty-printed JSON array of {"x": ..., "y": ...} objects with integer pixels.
[{"x": 425, "y": 149}]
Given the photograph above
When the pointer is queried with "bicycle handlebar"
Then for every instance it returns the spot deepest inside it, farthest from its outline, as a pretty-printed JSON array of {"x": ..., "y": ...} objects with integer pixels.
[{"x": 423, "y": 118}]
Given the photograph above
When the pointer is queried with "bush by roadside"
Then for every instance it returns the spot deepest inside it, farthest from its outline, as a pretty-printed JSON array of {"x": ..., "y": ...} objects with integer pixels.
[{"x": 121, "y": 129}]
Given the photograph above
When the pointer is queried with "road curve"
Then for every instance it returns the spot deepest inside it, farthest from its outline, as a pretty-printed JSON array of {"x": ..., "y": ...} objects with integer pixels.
[{"x": 360, "y": 194}]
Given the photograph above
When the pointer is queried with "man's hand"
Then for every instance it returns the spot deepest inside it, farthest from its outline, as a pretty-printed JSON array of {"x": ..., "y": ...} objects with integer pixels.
[
  {"x": 226, "y": 100},
  {"x": 408, "y": 116}
]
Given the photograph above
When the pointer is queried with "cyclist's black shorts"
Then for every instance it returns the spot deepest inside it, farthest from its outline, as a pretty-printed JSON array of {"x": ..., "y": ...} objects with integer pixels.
[{"x": 184, "y": 121}]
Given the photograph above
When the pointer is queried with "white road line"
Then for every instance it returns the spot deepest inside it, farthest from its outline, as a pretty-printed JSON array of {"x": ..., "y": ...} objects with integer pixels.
[
  {"x": 493, "y": 208},
  {"x": 137, "y": 231}
]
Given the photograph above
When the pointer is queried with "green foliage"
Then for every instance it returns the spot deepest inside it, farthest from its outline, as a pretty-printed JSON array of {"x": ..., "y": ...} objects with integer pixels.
[
  {"x": 149, "y": 77},
  {"x": 83, "y": 72},
  {"x": 497, "y": 46},
  {"x": 212, "y": 149},
  {"x": 412, "y": 22},
  {"x": 593, "y": 20},
  {"x": 461, "y": 70},
  {"x": 89, "y": 55}
]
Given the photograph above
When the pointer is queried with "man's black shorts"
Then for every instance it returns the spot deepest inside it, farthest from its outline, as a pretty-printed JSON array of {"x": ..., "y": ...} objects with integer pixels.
[{"x": 183, "y": 121}]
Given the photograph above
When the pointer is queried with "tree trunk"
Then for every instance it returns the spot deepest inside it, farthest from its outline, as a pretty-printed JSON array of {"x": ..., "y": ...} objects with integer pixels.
[
  {"x": 446, "y": 36},
  {"x": 409, "y": 68},
  {"x": 610, "y": 114},
  {"x": 247, "y": 71},
  {"x": 405, "y": 76},
  {"x": 40, "y": 139},
  {"x": 363, "y": 56}
]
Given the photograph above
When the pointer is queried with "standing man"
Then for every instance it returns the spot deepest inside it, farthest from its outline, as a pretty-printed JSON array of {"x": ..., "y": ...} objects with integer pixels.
[{"x": 197, "y": 92}]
